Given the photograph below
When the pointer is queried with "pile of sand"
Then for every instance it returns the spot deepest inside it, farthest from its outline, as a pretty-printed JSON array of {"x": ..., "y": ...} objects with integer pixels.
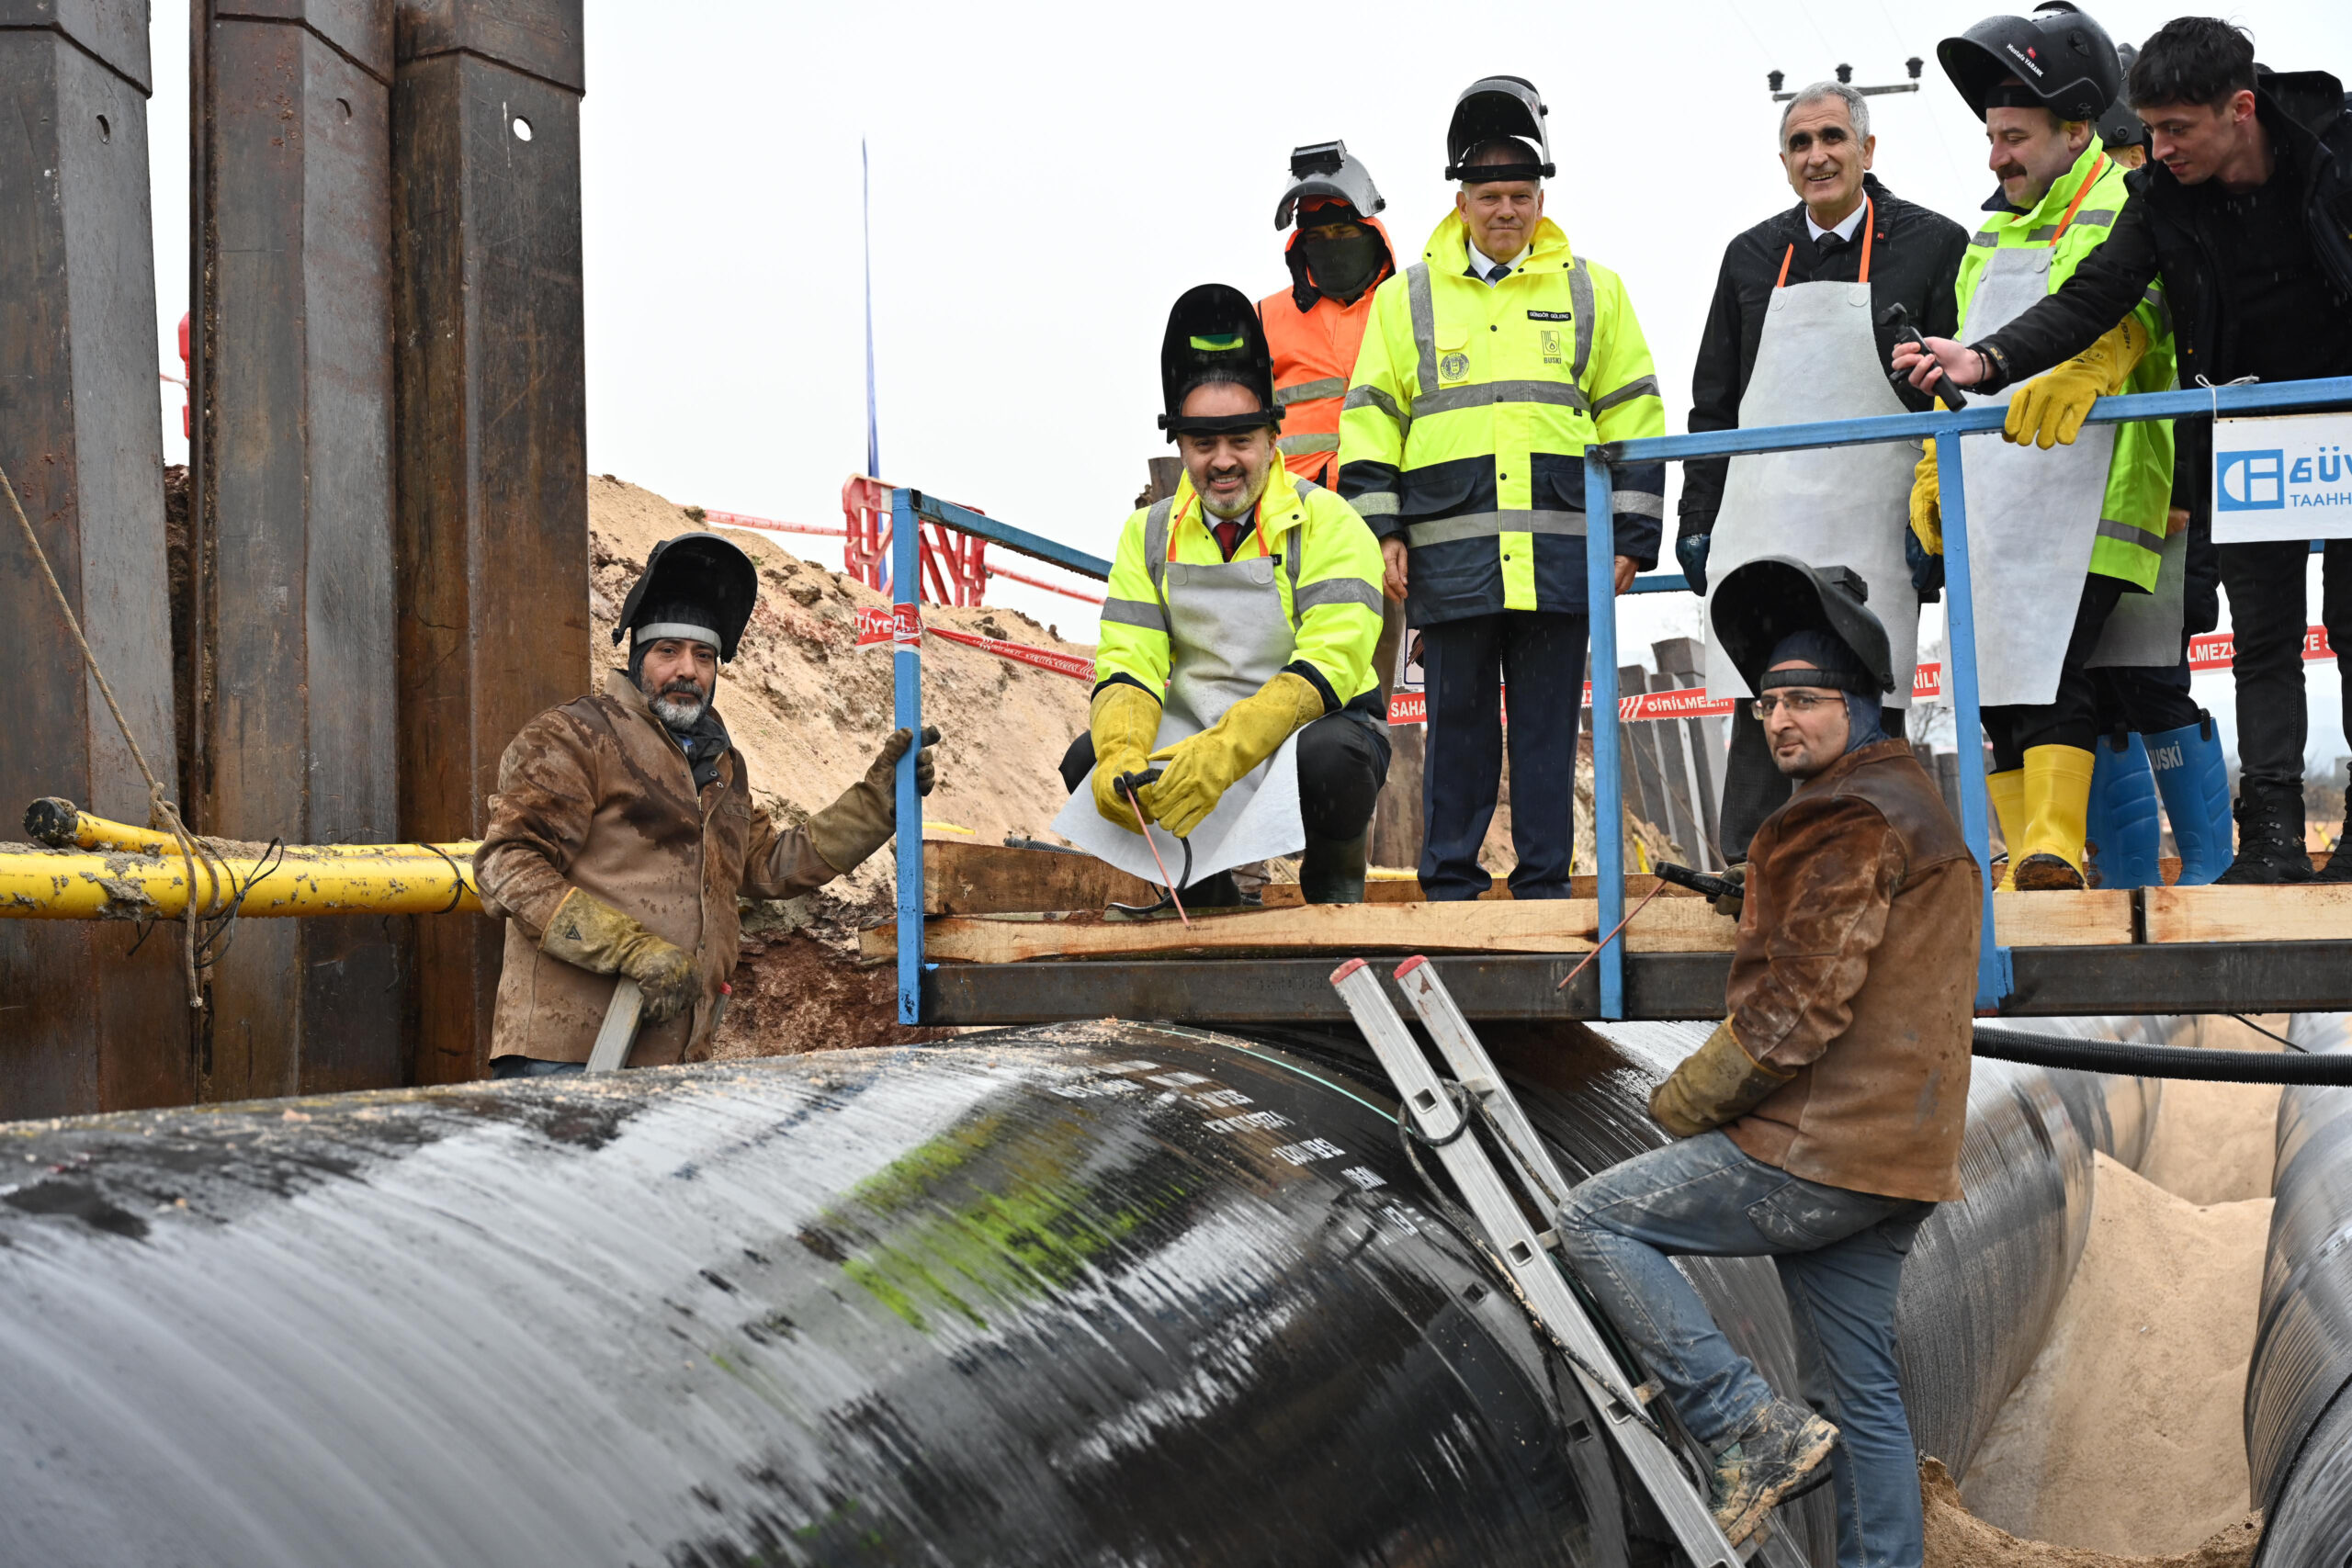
[
  {"x": 2127, "y": 1434},
  {"x": 1956, "y": 1539},
  {"x": 809, "y": 707}
]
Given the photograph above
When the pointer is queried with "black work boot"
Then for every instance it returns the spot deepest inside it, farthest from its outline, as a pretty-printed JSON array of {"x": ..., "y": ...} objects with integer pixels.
[
  {"x": 2270, "y": 837},
  {"x": 1784, "y": 1453},
  {"x": 2339, "y": 860},
  {"x": 1332, "y": 871}
]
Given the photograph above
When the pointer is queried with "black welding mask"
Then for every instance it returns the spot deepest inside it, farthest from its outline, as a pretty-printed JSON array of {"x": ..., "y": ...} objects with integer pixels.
[
  {"x": 697, "y": 586},
  {"x": 1760, "y": 604},
  {"x": 2064, "y": 60},
  {"x": 1214, "y": 334},
  {"x": 1496, "y": 108},
  {"x": 1325, "y": 170},
  {"x": 2120, "y": 126}
]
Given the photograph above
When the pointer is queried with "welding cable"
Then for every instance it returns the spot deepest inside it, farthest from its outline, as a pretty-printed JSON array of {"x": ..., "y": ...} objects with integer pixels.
[{"x": 2164, "y": 1061}]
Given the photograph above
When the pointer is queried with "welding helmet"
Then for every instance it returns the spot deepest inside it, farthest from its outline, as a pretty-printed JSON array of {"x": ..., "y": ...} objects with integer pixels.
[
  {"x": 1490, "y": 109},
  {"x": 2065, "y": 61},
  {"x": 1761, "y": 602},
  {"x": 698, "y": 586},
  {"x": 2120, "y": 126},
  {"x": 1214, "y": 334},
  {"x": 1324, "y": 171}
]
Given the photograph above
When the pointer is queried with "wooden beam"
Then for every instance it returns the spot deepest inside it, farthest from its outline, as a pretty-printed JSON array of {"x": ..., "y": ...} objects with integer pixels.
[
  {"x": 1408, "y": 890},
  {"x": 491, "y": 457},
  {"x": 84, "y": 1025},
  {"x": 1567, "y": 925},
  {"x": 996, "y": 879},
  {"x": 2288, "y": 913},
  {"x": 292, "y": 496}
]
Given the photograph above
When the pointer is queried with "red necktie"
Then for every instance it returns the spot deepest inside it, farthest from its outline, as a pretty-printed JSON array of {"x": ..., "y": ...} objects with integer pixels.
[{"x": 1229, "y": 536}]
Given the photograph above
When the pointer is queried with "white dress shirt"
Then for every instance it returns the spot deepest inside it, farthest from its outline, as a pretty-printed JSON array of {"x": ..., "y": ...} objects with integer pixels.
[
  {"x": 1483, "y": 270},
  {"x": 1846, "y": 226}
]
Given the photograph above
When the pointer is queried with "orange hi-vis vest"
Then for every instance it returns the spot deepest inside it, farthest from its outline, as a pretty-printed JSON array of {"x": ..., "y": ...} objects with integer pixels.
[{"x": 1315, "y": 354}]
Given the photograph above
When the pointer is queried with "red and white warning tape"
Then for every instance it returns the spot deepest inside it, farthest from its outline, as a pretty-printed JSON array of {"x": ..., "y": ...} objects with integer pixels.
[{"x": 900, "y": 624}]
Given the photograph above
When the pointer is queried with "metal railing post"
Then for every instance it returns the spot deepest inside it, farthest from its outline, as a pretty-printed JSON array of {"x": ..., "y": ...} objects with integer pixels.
[
  {"x": 906, "y": 661},
  {"x": 1996, "y": 978},
  {"x": 1608, "y": 772}
]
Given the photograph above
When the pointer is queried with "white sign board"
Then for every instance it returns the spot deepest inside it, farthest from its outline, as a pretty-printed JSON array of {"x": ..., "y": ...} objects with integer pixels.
[{"x": 2286, "y": 476}]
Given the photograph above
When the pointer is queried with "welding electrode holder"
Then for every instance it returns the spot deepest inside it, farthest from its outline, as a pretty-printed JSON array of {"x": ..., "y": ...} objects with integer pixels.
[{"x": 1899, "y": 318}]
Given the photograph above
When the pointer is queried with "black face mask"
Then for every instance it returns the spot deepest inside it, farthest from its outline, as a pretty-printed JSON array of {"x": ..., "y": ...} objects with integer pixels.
[{"x": 1344, "y": 268}]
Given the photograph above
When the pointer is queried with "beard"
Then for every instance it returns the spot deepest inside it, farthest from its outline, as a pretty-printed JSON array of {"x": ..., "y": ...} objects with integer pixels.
[
  {"x": 1240, "y": 509},
  {"x": 680, "y": 704}
]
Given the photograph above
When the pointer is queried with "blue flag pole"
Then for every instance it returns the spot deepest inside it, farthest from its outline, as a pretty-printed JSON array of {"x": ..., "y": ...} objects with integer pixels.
[{"x": 873, "y": 432}]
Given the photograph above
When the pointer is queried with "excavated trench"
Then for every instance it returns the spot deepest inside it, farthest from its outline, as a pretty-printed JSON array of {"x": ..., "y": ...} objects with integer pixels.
[{"x": 1090, "y": 1293}]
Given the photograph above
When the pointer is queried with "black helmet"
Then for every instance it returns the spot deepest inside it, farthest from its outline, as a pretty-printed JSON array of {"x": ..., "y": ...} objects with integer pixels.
[
  {"x": 1759, "y": 602},
  {"x": 2066, "y": 59},
  {"x": 696, "y": 585},
  {"x": 1325, "y": 169},
  {"x": 1214, "y": 334},
  {"x": 1489, "y": 110},
  {"x": 2120, "y": 126}
]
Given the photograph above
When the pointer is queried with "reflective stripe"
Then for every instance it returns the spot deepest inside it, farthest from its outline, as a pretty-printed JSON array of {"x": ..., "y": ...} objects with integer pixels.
[
  {"x": 1984, "y": 239},
  {"x": 1155, "y": 549},
  {"x": 1424, "y": 314},
  {"x": 1135, "y": 613},
  {"x": 1489, "y": 392},
  {"x": 1638, "y": 503},
  {"x": 1373, "y": 398},
  {"x": 1337, "y": 591},
  {"x": 1302, "y": 446},
  {"x": 1294, "y": 554},
  {"x": 1580, "y": 301},
  {"x": 1375, "y": 504},
  {"x": 2130, "y": 533},
  {"x": 1647, "y": 387},
  {"x": 1309, "y": 391},
  {"x": 2049, "y": 231},
  {"x": 1486, "y": 525}
]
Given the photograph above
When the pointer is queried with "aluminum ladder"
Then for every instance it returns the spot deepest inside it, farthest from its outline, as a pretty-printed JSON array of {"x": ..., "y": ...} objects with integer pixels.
[{"x": 1443, "y": 1120}]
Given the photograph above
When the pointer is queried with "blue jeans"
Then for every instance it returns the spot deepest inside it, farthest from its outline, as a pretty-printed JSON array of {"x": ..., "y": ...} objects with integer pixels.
[{"x": 1840, "y": 1257}]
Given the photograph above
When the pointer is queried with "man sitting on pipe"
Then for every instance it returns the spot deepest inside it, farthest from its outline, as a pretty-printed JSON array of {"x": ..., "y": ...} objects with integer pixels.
[
  {"x": 624, "y": 828},
  {"x": 1236, "y": 716},
  {"x": 1822, "y": 1117}
]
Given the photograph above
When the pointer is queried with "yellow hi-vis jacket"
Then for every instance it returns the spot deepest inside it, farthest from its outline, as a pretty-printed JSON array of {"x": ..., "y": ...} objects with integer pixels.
[
  {"x": 1467, "y": 421},
  {"x": 1329, "y": 574}
]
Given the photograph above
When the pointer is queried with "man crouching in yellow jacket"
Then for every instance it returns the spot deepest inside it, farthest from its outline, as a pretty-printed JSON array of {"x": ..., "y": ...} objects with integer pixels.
[{"x": 1235, "y": 714}]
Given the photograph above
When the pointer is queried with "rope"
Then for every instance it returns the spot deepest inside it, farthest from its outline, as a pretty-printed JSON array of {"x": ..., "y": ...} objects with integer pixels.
[{"x": 161, "y": 814}]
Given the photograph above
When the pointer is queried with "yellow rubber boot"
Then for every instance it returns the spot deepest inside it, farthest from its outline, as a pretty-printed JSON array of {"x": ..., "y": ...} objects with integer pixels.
[
  {"x": 2007, "y": 791},
  {"x": 2058, "y": 806}
]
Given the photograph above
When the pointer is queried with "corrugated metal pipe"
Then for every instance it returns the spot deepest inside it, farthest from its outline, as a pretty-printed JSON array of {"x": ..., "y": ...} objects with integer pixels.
[
  {"x": 86, "y": 868},
  {"x": 1086, "y": 1293}
]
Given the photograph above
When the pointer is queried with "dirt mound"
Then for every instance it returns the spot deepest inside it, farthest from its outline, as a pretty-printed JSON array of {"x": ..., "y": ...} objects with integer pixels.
[
  {"x": 2125, "y": 1435},
  {"x": 1956, "y": 1539},
  {"x": 2216, "y": 1142},
  {"x": 809, "y": 707}
]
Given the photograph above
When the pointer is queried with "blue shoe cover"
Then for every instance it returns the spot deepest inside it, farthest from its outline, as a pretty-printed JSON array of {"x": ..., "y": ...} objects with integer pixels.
[
  {"x": 2195, "y": 784},
  {"x": 2121, "y": 829}
]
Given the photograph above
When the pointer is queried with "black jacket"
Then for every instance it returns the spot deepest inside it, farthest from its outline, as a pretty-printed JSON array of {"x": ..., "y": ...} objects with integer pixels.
[
  {"x": 1914, "y": 262},
  {"x": 2167, "y": 228}
]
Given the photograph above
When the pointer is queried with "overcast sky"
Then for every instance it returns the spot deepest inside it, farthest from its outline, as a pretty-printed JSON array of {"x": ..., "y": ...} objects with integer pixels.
[{"x": 1047, "y": 180}]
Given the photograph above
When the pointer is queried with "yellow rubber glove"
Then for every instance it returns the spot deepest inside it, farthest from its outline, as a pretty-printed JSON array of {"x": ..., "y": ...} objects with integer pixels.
[
  {"x": 1123, "y": 720},
  {"x": 1927, "y": 503},
  {"x": 1720, "y": 1082},
  {"x": 1200, "y": 767},
  {"x": 2049, "y": 410}
]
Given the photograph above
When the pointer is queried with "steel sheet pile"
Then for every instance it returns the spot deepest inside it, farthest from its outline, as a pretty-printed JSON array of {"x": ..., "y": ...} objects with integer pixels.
[
  {"x": 1084, "y": 1294},
  {"x": 2298, "y": 1390}
]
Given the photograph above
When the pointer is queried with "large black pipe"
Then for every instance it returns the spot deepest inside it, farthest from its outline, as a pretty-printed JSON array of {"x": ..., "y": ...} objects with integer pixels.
[
  {"x": 1106, "y": 1292},
  {"x": 2298, "y": 1388}
]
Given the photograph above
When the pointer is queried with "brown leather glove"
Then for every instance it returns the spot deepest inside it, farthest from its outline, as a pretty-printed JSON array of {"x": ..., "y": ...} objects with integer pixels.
[
  {"x": 588, "y": 933},
  {"x": 866, "y": 816},
  {"x": 1720, "y": 1082}
]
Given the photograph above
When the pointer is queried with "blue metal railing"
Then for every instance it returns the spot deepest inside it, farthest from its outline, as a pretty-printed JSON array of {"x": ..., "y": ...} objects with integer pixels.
[{"x": 908, "y": 507}]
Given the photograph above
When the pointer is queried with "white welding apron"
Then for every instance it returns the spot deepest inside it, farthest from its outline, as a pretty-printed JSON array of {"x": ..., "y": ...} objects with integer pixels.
[
  {"x": 2145, "y": 627},
  {"x": 1831, "y": 506},
  {"x": 2032, "y": 515},
  {"x": 1228, "y": 636}
]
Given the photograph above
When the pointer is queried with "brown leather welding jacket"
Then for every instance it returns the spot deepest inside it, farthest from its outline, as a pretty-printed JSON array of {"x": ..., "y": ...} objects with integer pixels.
[
  {"x": 595, "y": 794},
  {"x": 1856, "y": 965}
]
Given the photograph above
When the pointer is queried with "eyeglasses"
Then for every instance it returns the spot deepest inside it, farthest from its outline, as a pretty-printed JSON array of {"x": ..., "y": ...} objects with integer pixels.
[{"x": 1799, "y": 704}]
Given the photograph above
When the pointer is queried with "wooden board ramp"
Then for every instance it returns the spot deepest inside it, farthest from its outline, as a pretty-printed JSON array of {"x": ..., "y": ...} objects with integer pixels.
[{"x": 1552, "y": 925}]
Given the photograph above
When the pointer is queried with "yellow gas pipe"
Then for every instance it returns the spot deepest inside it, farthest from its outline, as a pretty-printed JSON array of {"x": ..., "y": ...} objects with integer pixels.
[{"x": 98, "y": 870}]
